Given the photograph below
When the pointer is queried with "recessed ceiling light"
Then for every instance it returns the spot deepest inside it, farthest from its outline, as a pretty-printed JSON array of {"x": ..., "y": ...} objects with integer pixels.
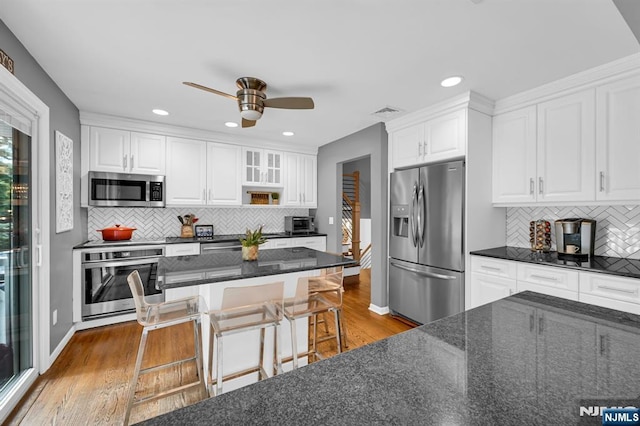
[
  {"x": 231, "y": 124},
  {"x": 288, "y": 133},
  {"x": 451, "y": 81},
  {"x": 160, "y": 112}
]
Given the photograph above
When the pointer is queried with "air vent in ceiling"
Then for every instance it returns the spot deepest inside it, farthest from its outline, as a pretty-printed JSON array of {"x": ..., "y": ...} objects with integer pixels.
[{"x": 387, "y": 113}]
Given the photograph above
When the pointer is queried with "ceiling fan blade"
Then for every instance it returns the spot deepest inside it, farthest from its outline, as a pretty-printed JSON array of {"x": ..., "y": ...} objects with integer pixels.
[
  {"x": 289, "y": 103},
  {"x": 248, "y": 123},
  {"x": 208, "y": 89}
]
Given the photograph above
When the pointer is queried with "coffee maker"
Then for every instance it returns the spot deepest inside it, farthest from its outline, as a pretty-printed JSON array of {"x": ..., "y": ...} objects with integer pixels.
[{"x": 575, "y": 237}]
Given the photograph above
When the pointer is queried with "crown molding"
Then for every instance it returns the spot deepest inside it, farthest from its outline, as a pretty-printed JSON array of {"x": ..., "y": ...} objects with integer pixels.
[
  {"x": 123, "y": 123},
  {"x": 470, "y": 99},
  {"x": 593, "y": 77}
]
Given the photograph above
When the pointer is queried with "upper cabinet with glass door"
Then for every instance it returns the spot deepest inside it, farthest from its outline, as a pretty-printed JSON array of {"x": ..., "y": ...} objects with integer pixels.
[{"x": 261, "y": 167}]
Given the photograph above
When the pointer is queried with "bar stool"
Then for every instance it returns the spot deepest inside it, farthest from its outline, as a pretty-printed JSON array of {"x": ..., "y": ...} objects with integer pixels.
[
  {"x": 244, "y": 309},
  {"x": 330, "y": 280},
  {"x": 162, "y": 315},
  {"x": 316, "y": 296}
]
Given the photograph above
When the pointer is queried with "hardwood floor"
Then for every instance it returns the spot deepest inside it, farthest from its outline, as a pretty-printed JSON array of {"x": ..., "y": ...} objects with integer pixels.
[{"x": 89, "y": 382}]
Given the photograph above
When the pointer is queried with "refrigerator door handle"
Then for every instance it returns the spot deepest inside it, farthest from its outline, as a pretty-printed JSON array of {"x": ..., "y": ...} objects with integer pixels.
[
  {"x": 412, "y": 215},
  {"x": 424, "y": 273},
  {"x": 421, "y": 217}
]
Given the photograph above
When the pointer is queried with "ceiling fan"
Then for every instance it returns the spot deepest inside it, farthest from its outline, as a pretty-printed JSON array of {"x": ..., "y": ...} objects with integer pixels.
[{"x": 252, "y": 100}]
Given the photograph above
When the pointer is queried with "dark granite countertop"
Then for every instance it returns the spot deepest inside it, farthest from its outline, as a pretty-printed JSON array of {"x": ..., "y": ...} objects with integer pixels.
[
  {"x": 228, "y": 265},
  {"x": 178, "y": 240},
  {"x": 603, "y": 264},
  {"x": 528, "y": 359}
]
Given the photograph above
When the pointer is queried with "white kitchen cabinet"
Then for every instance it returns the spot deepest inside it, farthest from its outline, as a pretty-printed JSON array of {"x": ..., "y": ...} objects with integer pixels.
[
  {"x": 224, "y": 175},
  {"x": 300, "y": 180},
  {"x": 437, "y": 139},
  {"x": 491, "y": 279},
  {"x": 202, "y": 173},
  {"x": 618, "y": 140},
  {"x": 261, "y": 167},
  {"x": 121, "y": 151},
  {"x": 545, "y": 153},
  {"x": 186, "y": 179},
  {"x": 276, "y": 243},
  {"x": 610, "y": 291},
  {"x": 514, "y": 156},
  {"x": 549, "y": 280},
  {"x": 316, "y": 243},
  {"x": 182, "y": 249}
]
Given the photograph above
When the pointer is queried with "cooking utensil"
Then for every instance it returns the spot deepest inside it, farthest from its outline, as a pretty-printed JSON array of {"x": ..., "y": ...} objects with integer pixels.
[
  {"x": 181, "y": 220},
  {"x": 117, "y": 233}
]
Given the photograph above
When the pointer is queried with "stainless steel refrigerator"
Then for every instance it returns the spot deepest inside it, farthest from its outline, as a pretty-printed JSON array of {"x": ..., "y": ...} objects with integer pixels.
[{"x": 426, "y": 251}]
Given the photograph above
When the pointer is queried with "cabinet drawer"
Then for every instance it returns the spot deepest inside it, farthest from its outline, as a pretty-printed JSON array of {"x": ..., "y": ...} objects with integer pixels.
[
  {"x": 496, "y": 267},
  {"x": 186, "y": 249},
  {"x": 555, "y": 278},
  {"x": 610, "y": 287}
]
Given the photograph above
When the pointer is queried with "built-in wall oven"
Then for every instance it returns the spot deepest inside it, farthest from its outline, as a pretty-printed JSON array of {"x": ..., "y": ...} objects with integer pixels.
[{"x": 105, "y": 290}]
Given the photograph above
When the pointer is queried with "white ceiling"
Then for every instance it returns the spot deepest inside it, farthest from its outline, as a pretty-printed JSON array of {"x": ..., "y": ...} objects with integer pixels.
[{"x": 124, "y": 58}]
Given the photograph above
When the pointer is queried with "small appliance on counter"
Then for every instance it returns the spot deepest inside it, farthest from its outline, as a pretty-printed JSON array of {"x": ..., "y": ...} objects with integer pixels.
[
  {"x": 299, "y": 224},
  {"x": 575, "y": 237},
  {"x": 540, "y": 235}
]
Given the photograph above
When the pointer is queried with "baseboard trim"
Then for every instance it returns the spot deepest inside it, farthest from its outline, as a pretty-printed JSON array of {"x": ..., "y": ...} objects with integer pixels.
[
  {"x": 58, "y": 350},
  {"x": 378, "y": 310}
]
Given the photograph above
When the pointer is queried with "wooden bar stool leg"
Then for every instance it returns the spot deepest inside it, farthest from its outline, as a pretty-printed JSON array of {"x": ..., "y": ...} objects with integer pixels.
[
  {"x": 212, "y": 341},
  {"x": 336, "y": 313},
  {"x": 343, "y": 323},
  {"x": 262, "y": 374},
  {"x": 197, "y": 341},
  {"x": 294, "y": 344}
]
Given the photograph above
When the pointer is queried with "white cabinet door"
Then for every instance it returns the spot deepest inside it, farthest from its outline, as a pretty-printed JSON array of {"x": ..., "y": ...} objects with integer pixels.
[
  {"x": 566, "y": 148},
  {"x": 614, "y": 347},
  {"x": 487, "y": 288},
  {"x": 109, "y": 150},
  {"x": 316, "y": 243},
  {"x": 618, "y": 140},
  {"x": 252, "y": 166},
  {"x": 224, "y": 174},
  {"x": 407, "y": 146},
  {"x": 292, "y": 185},
  {"x": 186, "y": 172},
  {"x": 308, "y": 176},
  {"x": 445, "y": 136},
  {"x": 272, "y": 168},
  {"x": 549, "y": 280},
  {"x": 147, "y": 154},
  {"x": 514, "y": 156}
]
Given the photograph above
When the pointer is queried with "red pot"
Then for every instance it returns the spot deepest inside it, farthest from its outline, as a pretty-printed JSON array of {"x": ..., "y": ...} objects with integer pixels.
[{"x": 116, "y": 233}]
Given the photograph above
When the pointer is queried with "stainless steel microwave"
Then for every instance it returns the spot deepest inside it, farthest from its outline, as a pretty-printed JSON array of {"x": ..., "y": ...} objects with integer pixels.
[
  {"x": 126, "y": 190},
  {"x": 299, "y": 224}
]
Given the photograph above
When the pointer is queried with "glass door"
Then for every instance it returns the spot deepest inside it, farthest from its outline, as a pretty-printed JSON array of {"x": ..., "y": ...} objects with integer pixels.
[{"x": 16, "y": 327}]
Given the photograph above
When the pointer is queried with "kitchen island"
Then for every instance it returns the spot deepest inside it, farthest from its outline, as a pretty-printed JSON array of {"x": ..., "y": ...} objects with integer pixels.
[
  {"x": 526, "y": 359},
  {"x": 207, "y": 275}
]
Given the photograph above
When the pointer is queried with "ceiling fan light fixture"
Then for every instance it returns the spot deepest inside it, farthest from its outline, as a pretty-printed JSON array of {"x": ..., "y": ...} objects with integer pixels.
[
  {"x": 159, "y": 112},
  {"x": 451, "y": 81},
  {"x": 288, "y": 133},
  {"x": 250, "y": 114},
  {"x": 231, "y": 124}
]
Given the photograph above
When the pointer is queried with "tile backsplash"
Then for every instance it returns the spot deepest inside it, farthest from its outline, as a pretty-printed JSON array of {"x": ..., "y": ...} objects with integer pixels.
[
  {"x": 617, "y": 227},
  {"x": 154, "y": 223}
]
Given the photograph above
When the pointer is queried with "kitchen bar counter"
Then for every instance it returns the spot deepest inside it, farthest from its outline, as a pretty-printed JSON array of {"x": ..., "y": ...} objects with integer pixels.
[
  {"x": 222, "y": 266},
  {"x": 178, "y": 240},
  {"x": 603, "y": 264},
  {"x": 526, "y": 359}
]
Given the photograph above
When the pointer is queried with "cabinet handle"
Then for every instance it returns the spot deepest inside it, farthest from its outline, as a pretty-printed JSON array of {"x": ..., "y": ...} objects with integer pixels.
[
  {"x": 204, "y": 195},
  {"x": 209, "y": 198},
  {"x": 419, "y": 149},
  {"x": 540, "y": 185},
  {"x": 542, "y": 277},
  {"x": 531, "y": 186},
  {"x": 124, "y": 162},
  {"x": 540, "y": 325},
  {"x": 131, "y": 161},
  {"x": 603, "y": 344},
  {"x": 532, "y": 323},
  {"x": 490, "y": 268},
  {"x": 620, "y": 290},
  {"x": 304, "y": 197},
  {"x": 601, "y": 181}
]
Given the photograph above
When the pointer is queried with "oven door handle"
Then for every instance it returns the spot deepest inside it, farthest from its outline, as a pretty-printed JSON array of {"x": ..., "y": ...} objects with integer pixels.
[{"x": 102, "y": 264}]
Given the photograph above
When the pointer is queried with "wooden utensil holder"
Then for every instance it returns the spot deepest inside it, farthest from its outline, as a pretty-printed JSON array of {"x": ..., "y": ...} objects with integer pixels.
[{"x": 186, "y": 231}]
